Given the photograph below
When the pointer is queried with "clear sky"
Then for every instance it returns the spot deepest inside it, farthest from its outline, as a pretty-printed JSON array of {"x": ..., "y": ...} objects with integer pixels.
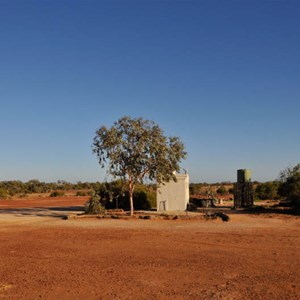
[{"x": 224, "y": 76}]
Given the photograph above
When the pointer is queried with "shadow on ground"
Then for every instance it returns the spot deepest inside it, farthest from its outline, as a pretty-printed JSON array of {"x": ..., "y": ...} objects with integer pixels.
[
  {"x": 64, "y": 212},
  {"x": 250, "y": 211},
  {"x": 55, "y": 212}
]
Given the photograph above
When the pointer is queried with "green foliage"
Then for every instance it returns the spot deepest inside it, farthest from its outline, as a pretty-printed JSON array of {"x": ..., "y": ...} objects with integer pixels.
[
  {"x": 151, "y": 196},
  {"x": 80, "y": 194},
  {"x": 4, "y": 194},
  {"x": 13, "y": 187},
  {"x": 16, "y": 187},
  {"x": 144, "y": 197},
  {"x": 221, "y": 190},
  {"x": 135, "y": 149},
  {"x": 288, "y": 173},
  {"x": 35, "y": 186},
  {"x": 290, "y": 186},
  {"x": 57, "y": 194},
  {"x": 195, "y": 188},
  {"x": 81, "y": 185},
  {"x": 267, "y": 190},
  {"x": 94, "y": 206},
  {"x": 115, "y": 195},
  {"x": 211, "y": 189}
]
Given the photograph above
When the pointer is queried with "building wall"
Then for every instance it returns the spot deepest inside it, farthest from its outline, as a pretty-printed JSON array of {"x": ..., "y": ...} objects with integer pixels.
[{"x": 172, "y": 195}]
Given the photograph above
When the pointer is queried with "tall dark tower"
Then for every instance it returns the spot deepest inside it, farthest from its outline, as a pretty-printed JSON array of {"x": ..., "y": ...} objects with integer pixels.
[{"x": 243, "y": 189}]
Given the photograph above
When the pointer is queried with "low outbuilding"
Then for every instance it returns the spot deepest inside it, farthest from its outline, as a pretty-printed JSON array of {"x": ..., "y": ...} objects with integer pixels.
[{"x": 173, "y": 196}]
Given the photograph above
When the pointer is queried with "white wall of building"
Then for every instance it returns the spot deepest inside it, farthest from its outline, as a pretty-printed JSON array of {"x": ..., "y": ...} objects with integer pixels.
[{"x": 173, "y": 196}]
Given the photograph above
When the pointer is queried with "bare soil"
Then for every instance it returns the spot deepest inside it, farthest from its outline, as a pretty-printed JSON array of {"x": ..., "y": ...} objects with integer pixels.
[{"x": 254, "y": 256}]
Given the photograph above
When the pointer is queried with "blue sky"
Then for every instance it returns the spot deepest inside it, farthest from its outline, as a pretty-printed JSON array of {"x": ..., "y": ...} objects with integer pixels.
[{"x": 224, "y": 76}]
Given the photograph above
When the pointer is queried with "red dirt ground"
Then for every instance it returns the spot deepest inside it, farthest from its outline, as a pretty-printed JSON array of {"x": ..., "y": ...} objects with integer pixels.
[{"x": 43, "y": 256}]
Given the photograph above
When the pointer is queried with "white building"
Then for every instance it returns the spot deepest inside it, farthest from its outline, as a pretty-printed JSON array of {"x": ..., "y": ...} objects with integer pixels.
[{"x": 173, "y": 196}]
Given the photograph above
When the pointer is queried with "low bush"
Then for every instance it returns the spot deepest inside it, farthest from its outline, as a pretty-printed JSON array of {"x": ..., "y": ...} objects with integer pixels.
[
  {"x": 81, "y": 194},
  {"x": 221, "y": 190},
  {"x": 4, "y": 194},
  {"x": 94, "y": 206},
  {"x": 267, "y": 190},
  {"x": 57, "y": 194}
]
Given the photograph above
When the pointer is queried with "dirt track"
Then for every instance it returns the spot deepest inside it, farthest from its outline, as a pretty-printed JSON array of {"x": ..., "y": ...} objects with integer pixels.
[{"x": 43, "y": 256}]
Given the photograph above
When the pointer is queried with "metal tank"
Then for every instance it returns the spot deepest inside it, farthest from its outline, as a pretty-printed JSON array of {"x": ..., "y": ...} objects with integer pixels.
[
  {"x": 243, "y": 189},
  {"x": 243, "y": 175}
]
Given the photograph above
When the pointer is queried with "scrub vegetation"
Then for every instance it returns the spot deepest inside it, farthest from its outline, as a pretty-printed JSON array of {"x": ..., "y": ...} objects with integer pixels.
[{"x": 116, "y": 195}]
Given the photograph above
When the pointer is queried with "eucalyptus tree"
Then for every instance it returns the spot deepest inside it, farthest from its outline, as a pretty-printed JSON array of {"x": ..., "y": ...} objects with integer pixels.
[{"x": 135, "y": 149}]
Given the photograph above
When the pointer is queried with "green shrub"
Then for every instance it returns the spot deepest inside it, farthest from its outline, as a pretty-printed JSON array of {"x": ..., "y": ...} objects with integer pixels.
[
  {"x": 4, "y": 194},
  {"x": 57, "y": 194},
  {"x": 221, "y": 190},
  {"x": 290, "y": 186},
  {"x": 151, "y": 197},
  {"x": 81, "y": 194},
  {"x": 267, "y": 190},
  {"x": 94, "y": 206},
  {"x": 115, "y": 195},
  {"x": 91, "y": 193},
  {"x": 141, "y": 201}
]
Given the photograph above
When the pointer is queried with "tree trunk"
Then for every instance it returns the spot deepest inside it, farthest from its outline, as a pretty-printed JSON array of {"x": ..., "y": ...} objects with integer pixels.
[{"x": 131, "y": 187}]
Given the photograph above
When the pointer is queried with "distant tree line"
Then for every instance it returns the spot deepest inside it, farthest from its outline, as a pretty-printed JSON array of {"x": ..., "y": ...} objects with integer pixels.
[
  {"x": 262, "y": 190},
  {"x": 212, "y": 189},
  {"x": 16, "y": 187},
  {"x": 113, "y": 195}
]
